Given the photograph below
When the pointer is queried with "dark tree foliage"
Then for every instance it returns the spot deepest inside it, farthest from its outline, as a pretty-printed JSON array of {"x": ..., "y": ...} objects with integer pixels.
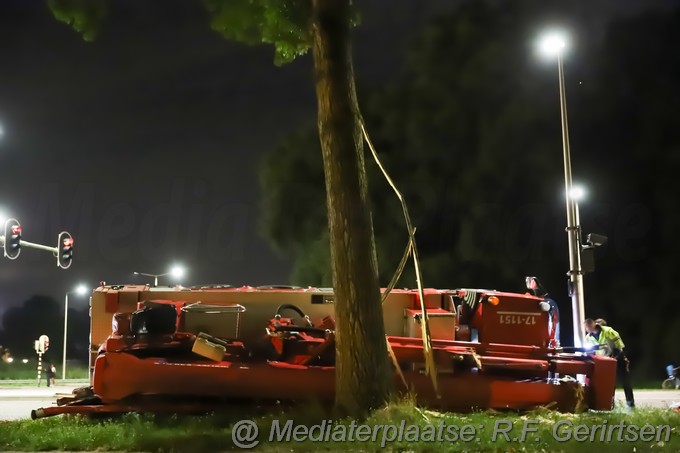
[
  {"x": 634, "y": 162},
  {"x": 470, "y": 130},
  {"x": 24, "y": 324},
  {"x": 452, "y": 130},
  {"x": 284, "y": 24},
  {"x": 42, "y": 315},
  {"x": 85, "y": 16}
]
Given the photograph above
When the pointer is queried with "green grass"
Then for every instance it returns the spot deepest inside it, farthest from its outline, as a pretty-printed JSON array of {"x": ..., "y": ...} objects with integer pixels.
[
  {"x": 648, "y": 384},
  {"x": 213, "y": 432},
  {"x": 33, "y": 382},
  {"x": 19, "y": 370}
]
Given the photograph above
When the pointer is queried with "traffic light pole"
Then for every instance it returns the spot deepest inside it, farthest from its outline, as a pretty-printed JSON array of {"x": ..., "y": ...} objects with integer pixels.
[
  {"x": 40, "y": 367},
  {"x": 41, "y": 346},
  {"x": 33, "y": 245},
  {"x": 12, "y": 243}
]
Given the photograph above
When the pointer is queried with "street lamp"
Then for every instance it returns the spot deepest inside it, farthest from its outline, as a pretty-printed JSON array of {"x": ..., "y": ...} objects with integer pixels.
[
  {"x": 176, "y": 271},
  {"x": 577, "y": 193},
  {"x": 80, "y": 290},
  {"x": 554, "y": 44}
]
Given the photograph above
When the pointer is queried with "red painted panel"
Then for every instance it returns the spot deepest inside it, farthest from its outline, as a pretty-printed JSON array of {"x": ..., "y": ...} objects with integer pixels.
[{"x": 111, "y": 301}]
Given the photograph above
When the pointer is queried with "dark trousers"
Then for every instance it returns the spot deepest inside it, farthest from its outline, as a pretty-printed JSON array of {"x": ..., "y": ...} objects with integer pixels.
[{"x": 623, "y": 373}]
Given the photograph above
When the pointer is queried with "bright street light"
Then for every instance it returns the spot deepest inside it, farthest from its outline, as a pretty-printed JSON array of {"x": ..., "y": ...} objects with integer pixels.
[
  {"x": 554, "y": 44},
  {"x": 24, "y": 360},
  {"x": 80, "y": 290},
  {"x": 577, "y": 193},
  {"x": 176, "y": 271}
]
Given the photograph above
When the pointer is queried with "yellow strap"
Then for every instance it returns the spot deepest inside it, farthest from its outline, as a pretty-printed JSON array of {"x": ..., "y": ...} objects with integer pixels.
[
  {"x": 396, "y": 364},
  {"x": 430, "y": 365}
]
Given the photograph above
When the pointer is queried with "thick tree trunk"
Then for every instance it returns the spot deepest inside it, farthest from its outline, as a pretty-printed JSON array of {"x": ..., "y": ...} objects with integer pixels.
[{"x": 363, "y": 372}]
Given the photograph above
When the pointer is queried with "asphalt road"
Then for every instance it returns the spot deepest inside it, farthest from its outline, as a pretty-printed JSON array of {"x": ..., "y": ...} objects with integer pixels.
[{"x": 17, "y": 402}]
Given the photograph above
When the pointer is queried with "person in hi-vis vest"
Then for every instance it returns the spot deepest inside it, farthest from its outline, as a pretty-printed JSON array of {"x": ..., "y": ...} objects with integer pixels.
[{"x": 599, "y": 334}]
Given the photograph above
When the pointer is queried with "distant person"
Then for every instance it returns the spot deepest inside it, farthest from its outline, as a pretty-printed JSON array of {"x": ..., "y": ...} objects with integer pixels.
[
  {"x": 611, "y": 345},
  {"x": 46, "y": 371},
  {"x": 50, "y": 371},
  {"x": 673, "y": 378}
]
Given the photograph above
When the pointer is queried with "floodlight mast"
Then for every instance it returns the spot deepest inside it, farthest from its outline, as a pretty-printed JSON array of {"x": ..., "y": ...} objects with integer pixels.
[{"x": 554, "y": 44}]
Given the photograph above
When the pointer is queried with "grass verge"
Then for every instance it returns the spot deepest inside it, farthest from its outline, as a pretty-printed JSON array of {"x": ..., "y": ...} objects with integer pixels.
[
  {"x": 25, "y": 371},
  {"x": 398, "y": 427},
  {"x": 5, "y": 383}
]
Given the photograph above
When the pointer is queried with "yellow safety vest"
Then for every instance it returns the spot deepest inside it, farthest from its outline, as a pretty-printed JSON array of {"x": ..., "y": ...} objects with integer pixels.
[{"x": 609, "y": 338}]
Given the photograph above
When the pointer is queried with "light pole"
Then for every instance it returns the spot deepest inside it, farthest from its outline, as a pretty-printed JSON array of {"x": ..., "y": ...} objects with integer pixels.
[
  {"x": 554, "y": 44},
  {"x": 80, "y": 290},
  {"x": 176, "y": 271},
  {"x": 576, "y": 270}
]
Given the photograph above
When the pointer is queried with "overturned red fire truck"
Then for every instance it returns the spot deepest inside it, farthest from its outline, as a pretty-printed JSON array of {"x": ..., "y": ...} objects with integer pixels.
[{"x": 176, "y": 349}]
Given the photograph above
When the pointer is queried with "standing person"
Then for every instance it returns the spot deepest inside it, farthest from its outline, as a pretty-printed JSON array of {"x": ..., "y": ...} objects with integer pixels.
[
  {"x": 48, "y": 374},
  {"x": 599, "y": 334}
]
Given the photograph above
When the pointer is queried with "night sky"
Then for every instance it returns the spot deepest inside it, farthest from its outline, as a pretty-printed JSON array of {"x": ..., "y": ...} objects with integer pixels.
[{"x": 144, "y": 144}]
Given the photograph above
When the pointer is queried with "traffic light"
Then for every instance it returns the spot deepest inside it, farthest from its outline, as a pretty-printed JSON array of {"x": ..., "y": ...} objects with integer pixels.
[
  {"x": 64, "y": 250},
  {"x": 42, "y": 344},
  {"x": 12, "y": 239}
]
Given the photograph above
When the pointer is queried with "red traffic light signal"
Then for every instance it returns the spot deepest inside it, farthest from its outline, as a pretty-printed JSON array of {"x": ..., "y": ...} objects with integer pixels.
[
  {"x": 12, "y": 235},
  {"x": 64, "y": 250}
]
